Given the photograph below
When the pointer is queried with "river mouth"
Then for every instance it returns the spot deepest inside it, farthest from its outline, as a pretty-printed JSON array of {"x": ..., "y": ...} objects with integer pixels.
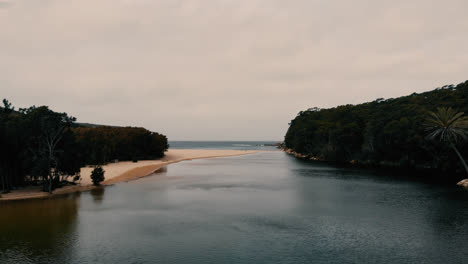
[{"x": 261, "y": 208}]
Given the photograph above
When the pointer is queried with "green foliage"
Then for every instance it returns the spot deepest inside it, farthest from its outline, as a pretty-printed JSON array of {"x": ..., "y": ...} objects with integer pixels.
[
  {"x": 40, "y": 146},
  {"x": 388, "y": 131},
  {"x": 32, "y": 142},
  {"x": 104, "y": 144},
  {"x": 97, "y": 175},
  {"x": 448, "y": 126}
]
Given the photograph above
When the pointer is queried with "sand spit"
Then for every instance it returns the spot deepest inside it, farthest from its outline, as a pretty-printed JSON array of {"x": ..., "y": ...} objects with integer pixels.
[{"x": 124, "y": 171}]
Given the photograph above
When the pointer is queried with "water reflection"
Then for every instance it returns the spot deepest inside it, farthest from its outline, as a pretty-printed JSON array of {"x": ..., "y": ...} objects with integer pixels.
[
  {"x": 265, "y": 208},
  {"x": 161, "y": 170},
  {"x": 38, "y": 229},
  {"x": 98, "y": 194}
]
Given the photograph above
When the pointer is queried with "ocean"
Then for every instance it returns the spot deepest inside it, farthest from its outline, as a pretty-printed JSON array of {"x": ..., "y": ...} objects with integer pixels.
[{"x": 238, "y": 145}]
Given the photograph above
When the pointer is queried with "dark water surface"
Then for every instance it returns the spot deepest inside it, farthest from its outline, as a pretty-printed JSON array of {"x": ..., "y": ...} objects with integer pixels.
[{"x": 262, "y": 208}]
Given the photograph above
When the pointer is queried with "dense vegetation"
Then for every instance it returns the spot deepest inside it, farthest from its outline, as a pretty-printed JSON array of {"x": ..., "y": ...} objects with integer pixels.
[
  {"x": 388, "y": 132},
  {"x": 97, "y": 175},
  {"x": 99, "y": 145},
  {"x": 43, "y": 147}
]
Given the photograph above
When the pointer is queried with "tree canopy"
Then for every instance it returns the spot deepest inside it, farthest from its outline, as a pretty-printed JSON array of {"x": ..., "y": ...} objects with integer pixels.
[
  {"x": 390, "y": 131},
  {"x": 40, "y": 146},
  {"x": 448, "y": 126}
]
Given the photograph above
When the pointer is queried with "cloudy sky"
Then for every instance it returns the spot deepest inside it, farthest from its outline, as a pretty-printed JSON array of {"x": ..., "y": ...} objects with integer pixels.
[{"x": 224, "y": 69}]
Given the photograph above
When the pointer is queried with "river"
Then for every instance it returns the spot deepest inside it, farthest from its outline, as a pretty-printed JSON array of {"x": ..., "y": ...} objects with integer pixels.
[{"x": 261, "y": 208}]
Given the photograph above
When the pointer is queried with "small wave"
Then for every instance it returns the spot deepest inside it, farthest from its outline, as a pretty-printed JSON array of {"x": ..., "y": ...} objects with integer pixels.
[{"x": 241, "y": 145}]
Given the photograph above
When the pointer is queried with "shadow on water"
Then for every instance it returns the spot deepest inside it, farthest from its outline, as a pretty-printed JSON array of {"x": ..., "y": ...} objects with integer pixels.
[
  {"x": 161, "y": 170},
  {"x": 329, "y": 169},
  {"x": 381, "y": 209},
  {"x": 38, "y": 229},
  {"x": 98, "y": 194}
]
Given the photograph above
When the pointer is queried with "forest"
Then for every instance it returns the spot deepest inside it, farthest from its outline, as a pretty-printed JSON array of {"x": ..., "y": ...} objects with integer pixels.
[
  {"x": 383, "y": 133},
  {"x": 47, "y": 148}
]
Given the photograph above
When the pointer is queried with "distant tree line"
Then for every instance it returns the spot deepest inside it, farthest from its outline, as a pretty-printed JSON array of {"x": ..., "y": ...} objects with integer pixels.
[
  {"x": 388, "y": 132},
  {"x": 99, "y": 145},
  {"x": 43, "y": 147}
]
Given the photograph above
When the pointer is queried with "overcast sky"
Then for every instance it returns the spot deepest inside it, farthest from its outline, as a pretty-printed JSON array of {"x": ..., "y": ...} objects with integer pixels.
[{"x": 224, "y": 69}]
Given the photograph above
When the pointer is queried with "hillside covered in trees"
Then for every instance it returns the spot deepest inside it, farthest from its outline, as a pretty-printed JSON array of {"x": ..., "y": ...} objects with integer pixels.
[
  {"x": 43, "y": 147},
  {"x": 389, "y": 132}
]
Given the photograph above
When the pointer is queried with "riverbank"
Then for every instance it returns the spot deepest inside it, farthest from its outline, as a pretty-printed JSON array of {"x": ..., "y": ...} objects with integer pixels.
[
  {"x": 124, "y": 171},
  {"x": 434, "y": 175}
]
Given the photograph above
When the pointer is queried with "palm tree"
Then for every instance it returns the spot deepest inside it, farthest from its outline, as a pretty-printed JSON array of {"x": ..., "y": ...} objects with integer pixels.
[{"x": 448, "y": 126}]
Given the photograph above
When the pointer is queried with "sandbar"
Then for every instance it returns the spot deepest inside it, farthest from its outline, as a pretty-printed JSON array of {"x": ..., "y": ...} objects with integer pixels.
[{"x": 124, "y": 171}]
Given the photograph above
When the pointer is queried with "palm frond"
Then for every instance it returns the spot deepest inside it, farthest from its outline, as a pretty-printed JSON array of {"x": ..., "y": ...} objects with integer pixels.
[
  {"x": 455, "y": 118},
  {"x": 447, "y": 125},
  {"x": 435, "y": 134},
  {"x": 461, "y": 122}
]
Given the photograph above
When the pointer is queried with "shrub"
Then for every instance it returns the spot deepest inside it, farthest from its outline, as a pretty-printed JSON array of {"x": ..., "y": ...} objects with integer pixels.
[
  {"x": 97, "y": 175},
  {"x": 76, "y": 178}
]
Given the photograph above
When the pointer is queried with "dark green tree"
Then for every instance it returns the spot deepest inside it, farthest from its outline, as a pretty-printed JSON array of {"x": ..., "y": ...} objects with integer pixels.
[
  {"x": 385, "y": 132},
  {"x": 50, "y": 129},
  {"x": 449, "y": 126},
  {"x": 40, "y": 146},
  {"x": 97, "y": 175}
]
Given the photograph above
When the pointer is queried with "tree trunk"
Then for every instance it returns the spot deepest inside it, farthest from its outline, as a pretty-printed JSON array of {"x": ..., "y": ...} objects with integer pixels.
[
  {"x": 3, "y": 182},
  {"x": 459, "y": 156},
  {"x": 50, "y": 180},
  {"x": 8, "y": 181}
]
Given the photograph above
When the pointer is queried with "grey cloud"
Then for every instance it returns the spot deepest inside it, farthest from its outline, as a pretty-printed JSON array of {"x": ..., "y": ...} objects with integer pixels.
[
  {"x": 6, "y": 4},
  {"x": 224, "y": 69}
]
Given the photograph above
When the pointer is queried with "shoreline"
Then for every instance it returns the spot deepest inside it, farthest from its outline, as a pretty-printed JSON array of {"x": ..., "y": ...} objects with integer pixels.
[
  {"x": 431, "y": 174},
  {"x": 123, "y": 172}
]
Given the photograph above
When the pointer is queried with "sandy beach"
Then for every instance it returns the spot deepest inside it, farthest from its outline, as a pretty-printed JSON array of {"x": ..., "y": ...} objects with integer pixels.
[{"x": 124, "y": 171}]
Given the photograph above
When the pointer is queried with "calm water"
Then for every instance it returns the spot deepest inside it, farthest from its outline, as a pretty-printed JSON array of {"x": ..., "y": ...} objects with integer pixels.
[
  {"x": 239, "y": 145},
  {"x": 262, "y": 208}
]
